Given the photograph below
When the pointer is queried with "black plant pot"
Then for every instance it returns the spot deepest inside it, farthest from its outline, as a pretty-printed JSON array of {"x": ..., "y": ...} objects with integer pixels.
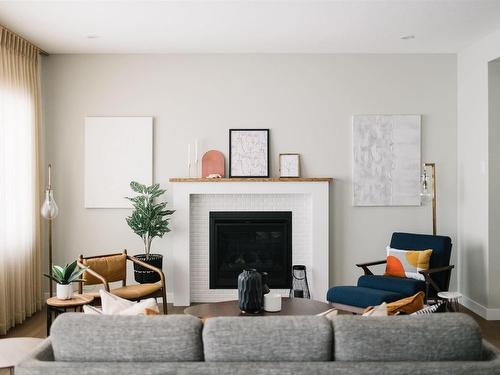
[
  {"x": 144, "y": 275},
  {"x": 250, "y": 291}
]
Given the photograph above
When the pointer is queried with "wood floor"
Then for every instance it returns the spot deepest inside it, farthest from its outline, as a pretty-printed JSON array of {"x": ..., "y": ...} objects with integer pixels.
[{"x": 36, "y": 327}]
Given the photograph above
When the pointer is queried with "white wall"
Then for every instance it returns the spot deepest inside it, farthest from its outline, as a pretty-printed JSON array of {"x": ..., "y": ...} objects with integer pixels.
[
  {"x": 494, "y": 180},
  {"x": 476, "y": 280},
  {"x": 306, "y": 100}
]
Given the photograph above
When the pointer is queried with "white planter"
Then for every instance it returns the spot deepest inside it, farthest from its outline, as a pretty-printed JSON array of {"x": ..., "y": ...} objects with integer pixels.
[{"x": 64, "y": 291}]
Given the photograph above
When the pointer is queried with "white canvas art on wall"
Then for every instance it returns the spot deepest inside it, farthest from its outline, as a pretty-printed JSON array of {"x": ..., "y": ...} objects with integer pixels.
[
  {"x": 118, "y": 150},
  {"x": 386, "y": 160}
]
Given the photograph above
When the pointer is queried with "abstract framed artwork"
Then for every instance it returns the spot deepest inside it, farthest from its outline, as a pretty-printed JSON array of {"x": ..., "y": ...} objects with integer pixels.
[
  {"x": 289, "y": 165},
  {"x": 248, "y": 152},
  {"x": 386, "y": 160}
]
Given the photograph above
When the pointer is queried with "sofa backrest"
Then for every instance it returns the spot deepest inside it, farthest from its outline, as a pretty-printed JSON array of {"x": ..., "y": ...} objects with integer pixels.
[
  {"x": 116, "y": 338},
  {"x": 441, "y": 251},
  {"x": 183, "y": 338},
  {"x": 274, "y": 338},
  {"x": 436, "y": 337}
]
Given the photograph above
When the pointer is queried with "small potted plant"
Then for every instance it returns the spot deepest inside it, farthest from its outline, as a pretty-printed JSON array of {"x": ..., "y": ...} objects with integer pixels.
[
  {"x": 148, "y": 220},
  {"x": 64, "y": 277}
]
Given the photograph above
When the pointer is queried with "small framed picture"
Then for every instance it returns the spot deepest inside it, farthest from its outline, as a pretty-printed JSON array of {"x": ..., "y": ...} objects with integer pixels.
[
  {"x": 248, "y": 152},
  {"x": 289, "y": 165}
]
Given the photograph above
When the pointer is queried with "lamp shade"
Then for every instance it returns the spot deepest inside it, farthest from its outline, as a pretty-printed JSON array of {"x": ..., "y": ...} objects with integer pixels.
[{"x": 49, "y": 208}]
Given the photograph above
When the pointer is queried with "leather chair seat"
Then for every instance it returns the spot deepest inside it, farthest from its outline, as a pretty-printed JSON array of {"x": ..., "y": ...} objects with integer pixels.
[{"x": 132, "y": 292}]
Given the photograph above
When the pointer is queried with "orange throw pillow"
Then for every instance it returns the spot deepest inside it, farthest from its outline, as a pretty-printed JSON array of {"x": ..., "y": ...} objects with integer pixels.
[{"x": 407, "y": 305}]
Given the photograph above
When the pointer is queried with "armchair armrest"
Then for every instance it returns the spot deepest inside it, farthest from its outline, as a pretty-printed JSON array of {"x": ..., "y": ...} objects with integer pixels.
[
  {"x": 437, "y": 269},
  {"x": 96, "y": 275},
  {"x": 365, "y": 266},
  {"x": 148, "y": 266},
  {"x": 428, "y": 279}
]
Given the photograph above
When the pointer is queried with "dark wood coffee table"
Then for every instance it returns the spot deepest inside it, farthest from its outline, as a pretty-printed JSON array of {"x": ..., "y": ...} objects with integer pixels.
[{"x": 289, "y": 306}]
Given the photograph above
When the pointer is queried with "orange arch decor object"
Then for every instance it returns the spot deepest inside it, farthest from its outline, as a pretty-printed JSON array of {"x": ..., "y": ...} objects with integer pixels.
[
  {"x": 212, "y": 163},
  {"x": 394, "y": 267}
]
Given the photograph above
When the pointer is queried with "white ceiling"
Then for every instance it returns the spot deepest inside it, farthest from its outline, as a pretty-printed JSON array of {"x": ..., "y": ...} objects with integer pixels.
[{"x": 241, "y": 26}]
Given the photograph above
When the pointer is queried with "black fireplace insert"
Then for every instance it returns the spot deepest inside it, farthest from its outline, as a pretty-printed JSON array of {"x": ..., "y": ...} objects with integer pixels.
[{"x": 250, "y": 239}]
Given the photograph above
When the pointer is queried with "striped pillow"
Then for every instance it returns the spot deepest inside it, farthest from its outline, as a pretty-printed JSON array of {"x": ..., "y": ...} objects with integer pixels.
[{"x": 438, "y": 307}]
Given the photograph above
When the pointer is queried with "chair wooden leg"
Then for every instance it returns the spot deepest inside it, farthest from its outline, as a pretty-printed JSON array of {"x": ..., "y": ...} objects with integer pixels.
[
  {"x": 426, "y": 297},
  {"x": 164, "y": 297}
]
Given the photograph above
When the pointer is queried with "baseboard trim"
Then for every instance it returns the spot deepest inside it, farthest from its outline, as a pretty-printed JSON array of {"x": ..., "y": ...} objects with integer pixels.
[
  {"x": 170, "y": 297},
  {"x": 482, "y": 311}
]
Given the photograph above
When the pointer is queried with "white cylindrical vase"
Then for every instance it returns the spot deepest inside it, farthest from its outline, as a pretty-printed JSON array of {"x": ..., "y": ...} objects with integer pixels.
[
  {"x": 272, "y": 302},
  {"x": 64, "y": 291}
]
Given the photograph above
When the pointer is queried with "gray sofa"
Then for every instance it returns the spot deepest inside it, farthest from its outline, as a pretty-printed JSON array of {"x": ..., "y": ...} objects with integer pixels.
[{"x": 180, "y": 344}]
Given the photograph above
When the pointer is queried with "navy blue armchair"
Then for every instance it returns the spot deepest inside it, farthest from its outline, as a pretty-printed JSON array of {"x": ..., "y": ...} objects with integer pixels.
[{"x": 372, "y": 289}]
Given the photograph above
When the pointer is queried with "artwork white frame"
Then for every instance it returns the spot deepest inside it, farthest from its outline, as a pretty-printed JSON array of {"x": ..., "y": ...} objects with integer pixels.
[
  {"x": 386, "y": 160},
  {"x": 289, "y": 165},
  {"x": 118, "y": 150}
]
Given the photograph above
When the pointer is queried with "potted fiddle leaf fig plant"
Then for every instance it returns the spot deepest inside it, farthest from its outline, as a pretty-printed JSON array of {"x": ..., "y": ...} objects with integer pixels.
[
  {"x": 64, "y": 277},
  {"x": 148, "y": 220}
]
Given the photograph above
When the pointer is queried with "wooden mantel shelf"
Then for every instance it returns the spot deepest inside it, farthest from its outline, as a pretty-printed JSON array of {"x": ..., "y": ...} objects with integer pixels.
[{"x": 253, "y": 179}]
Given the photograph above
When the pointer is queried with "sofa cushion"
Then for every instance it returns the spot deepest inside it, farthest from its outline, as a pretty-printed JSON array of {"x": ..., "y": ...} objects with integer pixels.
[
  {"x": 436, "y": 337},
  {"x": 360, "y": 296},
  {"x": 112, "y": 338},
  {"x": 404, "y": 286},
  {"x": 280, "y": 338}
]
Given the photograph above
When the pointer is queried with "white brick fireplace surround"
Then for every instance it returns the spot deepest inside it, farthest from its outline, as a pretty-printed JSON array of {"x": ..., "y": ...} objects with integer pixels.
[{"x": 193, "y": 199}]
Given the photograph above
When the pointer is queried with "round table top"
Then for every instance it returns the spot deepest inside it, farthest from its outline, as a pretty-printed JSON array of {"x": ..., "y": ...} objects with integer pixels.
[
  {"x": 289, "y": 306},
  {"x": 76, "y": 300},
  {"x": 449, "y": 295},
  {"x": 13, "y": 350}
]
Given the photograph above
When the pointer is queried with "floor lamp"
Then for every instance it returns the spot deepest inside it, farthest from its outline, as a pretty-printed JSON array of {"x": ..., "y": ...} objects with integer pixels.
[
  {"x": 49, "y": 211},
  {"x": 429, "y": 189}
]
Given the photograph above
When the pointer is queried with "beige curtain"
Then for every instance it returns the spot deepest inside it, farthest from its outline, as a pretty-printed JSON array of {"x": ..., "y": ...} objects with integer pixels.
[{"x": 20, "y": 251}]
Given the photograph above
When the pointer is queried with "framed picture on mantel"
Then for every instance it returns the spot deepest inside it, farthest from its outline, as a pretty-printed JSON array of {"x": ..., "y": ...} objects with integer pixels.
[
  {"x": 249, "y": 153},
  {"x": 289, "y": 165}
]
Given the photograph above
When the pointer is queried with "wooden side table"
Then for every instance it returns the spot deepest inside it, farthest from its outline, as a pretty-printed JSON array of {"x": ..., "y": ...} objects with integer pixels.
[
  {"x": 57, "y": 306},
  {"x": 13, "y": 350}
]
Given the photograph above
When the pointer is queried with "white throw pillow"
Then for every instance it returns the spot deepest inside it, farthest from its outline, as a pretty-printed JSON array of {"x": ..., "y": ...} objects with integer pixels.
[
  {"x": 380, "y": 310},
  {"x": 112, "y": 304},
  {"x": 87, "y": 309},
  {"x": 140, "y": 307},
  {"x": 330, "y": 314}
]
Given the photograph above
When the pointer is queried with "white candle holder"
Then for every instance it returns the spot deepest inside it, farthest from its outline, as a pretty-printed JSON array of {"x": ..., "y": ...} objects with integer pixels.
[{"x": 272, "y": 302}]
